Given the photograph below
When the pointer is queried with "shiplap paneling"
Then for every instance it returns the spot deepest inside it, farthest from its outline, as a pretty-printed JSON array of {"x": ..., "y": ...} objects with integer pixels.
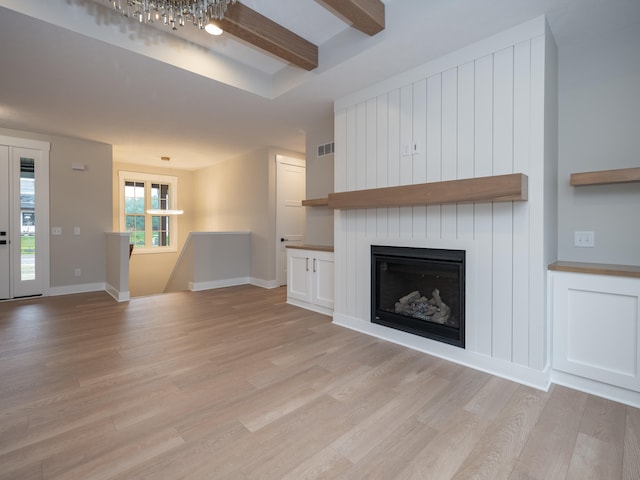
[
  {"x": 420, "y": 157},
  {"x": 406, "y": 161},
  {"x": 472, "y": 119},
  {"x": 466, "y": 155},
  {"x": 483, "y": 212},
  {"x": 537, "y": 256},
  {"x": 449, "y": 147},
  {"x": 502, "y": 213},
  {"x": 521, "y": 142},
  {"x": 372, "y": 161},
  {"x": 434, "y": 149},
  {"x": 393, "y": 150},
  {"x": 382, "y": 157}
]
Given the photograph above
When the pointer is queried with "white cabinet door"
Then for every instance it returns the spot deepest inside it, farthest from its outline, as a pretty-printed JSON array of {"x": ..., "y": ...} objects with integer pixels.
[
  {"x": 323, "y": 292},
  {"x": 310, "y": 279},
  {"x": 299, "y": 279},
  {"x": 596, "y": 332}
]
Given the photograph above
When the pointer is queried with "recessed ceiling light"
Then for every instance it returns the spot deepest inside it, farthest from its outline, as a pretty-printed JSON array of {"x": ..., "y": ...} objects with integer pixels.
[{"x": 213, "y": 29}]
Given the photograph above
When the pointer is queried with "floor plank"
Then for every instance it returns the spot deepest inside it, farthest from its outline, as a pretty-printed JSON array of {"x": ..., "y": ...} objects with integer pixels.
[{"x": 198, "y": 385}]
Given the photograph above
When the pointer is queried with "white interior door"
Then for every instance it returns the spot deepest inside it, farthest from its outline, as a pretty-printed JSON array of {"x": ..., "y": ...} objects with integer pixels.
[
  {"x": 24, "y": 218},
  {"x": 290, "y": 217}
]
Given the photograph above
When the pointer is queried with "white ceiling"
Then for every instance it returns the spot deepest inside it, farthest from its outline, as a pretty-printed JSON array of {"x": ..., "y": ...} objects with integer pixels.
[{"x": 72, "y": 67}]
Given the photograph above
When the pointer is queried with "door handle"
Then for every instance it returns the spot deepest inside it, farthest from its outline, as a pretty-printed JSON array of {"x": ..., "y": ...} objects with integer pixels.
[
  {"x": 307, "y": 264},
  {"x": 3, "y": 242},
  {"x": 314, "y": 265},
  {"x": 283, "y": 239}
]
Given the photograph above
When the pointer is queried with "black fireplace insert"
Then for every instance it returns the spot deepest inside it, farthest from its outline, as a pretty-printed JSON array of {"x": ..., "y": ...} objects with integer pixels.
[{"x": 419, "y": 291}]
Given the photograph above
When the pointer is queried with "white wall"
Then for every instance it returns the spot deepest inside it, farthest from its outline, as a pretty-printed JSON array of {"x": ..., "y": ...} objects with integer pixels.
[
  {"x": 319, "y": 174},
  {"x": 77, "y": 199},
  {"x": 599, "y": 129},
  {"x": 477, "y": 112},
  {"x": 239, "y": 195},
  {"x": 117, "y": 258}
]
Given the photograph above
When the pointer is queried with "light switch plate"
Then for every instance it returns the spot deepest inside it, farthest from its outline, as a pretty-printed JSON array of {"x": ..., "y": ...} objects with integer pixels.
[{"x": 584, "y": 239}]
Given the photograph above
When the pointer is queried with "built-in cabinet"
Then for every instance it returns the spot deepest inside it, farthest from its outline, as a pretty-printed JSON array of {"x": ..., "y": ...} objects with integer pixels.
[
  {"x": 310, "y": 281},
  {"x": 596, "y": 335}
]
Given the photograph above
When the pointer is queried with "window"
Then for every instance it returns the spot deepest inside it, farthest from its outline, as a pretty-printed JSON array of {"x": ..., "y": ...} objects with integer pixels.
[{"x": 149, "y": 232}]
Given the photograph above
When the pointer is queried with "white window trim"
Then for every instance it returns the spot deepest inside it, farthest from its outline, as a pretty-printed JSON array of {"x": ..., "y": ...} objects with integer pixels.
[{"x": 150, "y": 177}]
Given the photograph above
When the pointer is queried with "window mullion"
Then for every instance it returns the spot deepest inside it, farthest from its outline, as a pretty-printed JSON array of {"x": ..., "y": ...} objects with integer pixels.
[{"x": 148, "y": 218}]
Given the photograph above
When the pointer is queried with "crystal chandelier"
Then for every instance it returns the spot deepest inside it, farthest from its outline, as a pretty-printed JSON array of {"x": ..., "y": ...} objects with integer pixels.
[{"x": 172, "y": 13}]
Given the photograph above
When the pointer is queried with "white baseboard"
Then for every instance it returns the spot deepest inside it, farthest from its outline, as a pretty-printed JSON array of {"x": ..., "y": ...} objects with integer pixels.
[
  {"x": 227, "y": 282},
  {"x": 539, "y": 379},
  {"x": 79, "y": 288},
  {"x": 117, "y": 295},
  {"x": 258, "y": 282}
]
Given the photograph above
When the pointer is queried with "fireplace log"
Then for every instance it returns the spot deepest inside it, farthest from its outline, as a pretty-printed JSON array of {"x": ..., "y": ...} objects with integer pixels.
[{"x": 431, "y": 309}]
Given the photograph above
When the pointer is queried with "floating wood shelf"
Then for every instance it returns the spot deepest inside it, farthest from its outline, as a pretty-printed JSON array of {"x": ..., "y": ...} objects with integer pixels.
[
  {"x": 315, "y": 202},
  {"x": 603, "y": 177},
  {"x": 499, "y": 188}
]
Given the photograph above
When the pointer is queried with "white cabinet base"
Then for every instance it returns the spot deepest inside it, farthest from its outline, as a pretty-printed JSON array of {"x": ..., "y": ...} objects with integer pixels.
[
  {"x": 310, "y": 306},
  {"x": 310, "y": 280},
  {"x": 596, "y": 334}
]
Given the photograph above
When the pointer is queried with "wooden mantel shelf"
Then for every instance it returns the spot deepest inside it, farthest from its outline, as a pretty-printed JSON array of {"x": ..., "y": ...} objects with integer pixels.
[
  {"x": 603, "y": 177},
  {"x": 315, "y": 202},
  {"x": 498, "y": 188}
]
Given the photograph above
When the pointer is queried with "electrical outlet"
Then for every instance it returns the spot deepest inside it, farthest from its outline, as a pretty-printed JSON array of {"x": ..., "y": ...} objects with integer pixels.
[
  {"x": 76, "y": 230},
  {"x": 56, "y": 230},
  {"x": 584, "y": 239},
  {"x": 77, "y": 272}
]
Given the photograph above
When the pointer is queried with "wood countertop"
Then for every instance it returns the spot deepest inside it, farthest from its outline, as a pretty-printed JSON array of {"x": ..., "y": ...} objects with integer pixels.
[
  {"x": 318, "y": 248},
  {"x": 597, "y": 268}
]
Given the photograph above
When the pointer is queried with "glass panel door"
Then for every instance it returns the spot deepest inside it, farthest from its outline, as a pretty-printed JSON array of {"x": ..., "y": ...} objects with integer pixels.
[
  {"x": 27, "y": 220},
  {"x": 24, "y": 217},
  {"x": 28, "y": 233},
  {"x": 5, "y": 243}
]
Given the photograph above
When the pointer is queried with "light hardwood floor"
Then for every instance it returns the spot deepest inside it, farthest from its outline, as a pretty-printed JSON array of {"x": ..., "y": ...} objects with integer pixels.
[{"x": 236, "y": 384}]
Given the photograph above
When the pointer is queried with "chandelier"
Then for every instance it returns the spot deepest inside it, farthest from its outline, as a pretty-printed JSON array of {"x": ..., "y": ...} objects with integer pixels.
[{"x": 200, "y": 13}]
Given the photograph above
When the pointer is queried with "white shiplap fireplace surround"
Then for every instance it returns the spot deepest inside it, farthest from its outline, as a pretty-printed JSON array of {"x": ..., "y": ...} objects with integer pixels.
[{"x": 487, "y": 109}]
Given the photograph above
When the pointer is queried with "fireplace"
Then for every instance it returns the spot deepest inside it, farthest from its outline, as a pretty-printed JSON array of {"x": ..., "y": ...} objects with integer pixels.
[{"x": 419, "y": 291}]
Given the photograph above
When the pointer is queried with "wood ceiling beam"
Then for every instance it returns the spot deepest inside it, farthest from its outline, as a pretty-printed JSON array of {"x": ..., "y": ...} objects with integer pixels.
[
  {"x": 256, "y": 29},
  {"x": 365, "y": 15}
]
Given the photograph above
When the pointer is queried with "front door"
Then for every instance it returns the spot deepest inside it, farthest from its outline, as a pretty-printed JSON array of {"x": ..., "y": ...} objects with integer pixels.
[{"x": 24, "y": 219}]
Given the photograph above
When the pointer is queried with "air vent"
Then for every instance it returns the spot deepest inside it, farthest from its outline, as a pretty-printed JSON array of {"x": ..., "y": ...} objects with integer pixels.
[{"x": 326, "y": 149}]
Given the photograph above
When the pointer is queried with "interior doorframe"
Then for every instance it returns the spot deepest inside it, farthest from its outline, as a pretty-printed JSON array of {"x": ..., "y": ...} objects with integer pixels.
[
  {"x": 42, "y": 207},
  {"x": 298, "y": 162}
]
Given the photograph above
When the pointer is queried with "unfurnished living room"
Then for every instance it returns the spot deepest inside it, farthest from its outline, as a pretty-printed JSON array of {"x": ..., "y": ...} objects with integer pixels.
[{"x": 334, "y": 239}]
